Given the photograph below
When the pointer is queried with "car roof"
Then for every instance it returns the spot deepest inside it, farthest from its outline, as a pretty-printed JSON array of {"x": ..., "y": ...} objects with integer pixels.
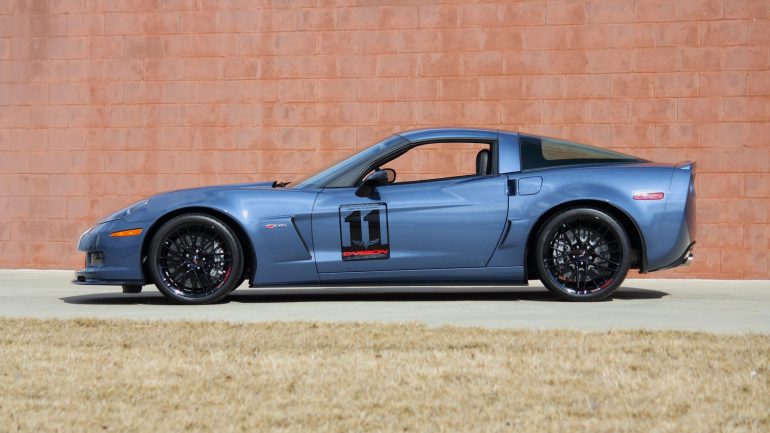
[{"x": 452, "y": 133}]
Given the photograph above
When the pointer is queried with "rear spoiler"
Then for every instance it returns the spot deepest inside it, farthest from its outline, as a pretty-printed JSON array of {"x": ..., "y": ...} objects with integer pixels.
[{"x": 686, "y": 165}]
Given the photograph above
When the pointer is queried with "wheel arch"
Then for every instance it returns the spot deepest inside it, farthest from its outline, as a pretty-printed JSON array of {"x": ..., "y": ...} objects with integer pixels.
[
  {"x": 249, "y": 255},
  {"x": 638, "y": 247}
]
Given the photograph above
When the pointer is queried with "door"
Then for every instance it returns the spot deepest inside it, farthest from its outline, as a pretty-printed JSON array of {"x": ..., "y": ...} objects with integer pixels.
[{"x": 434, "y": 224}]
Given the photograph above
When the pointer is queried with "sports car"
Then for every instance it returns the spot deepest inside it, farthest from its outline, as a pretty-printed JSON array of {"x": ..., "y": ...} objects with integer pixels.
[{"x": 442, "y": 206}]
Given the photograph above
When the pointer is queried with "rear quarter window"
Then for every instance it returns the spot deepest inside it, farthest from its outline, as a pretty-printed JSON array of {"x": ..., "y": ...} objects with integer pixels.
[{"x": 539, "y": 152}]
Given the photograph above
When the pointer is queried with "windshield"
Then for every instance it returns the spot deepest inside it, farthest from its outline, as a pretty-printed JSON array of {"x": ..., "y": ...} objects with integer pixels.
[{"x": 346, "y": 172}]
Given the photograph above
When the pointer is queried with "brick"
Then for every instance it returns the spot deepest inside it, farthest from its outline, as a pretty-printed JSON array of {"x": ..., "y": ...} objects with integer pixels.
[
  {"x": 85, "y": 24},
  {"x": 699, "y": 109},
  {"x": 502, "y": 38},
  {"x": 653, "y": 110},
  {"x": 612, "y": 11},
  {"x": 596, "y": 135},
  {"x": 759, "y": 32},
  {"x": 48, "y": 117},
  {"x": 544, "y": 87},
  {"x": 418, "y": 89},
  {"x": 217, "y": 92},
  {"x": 623, "y": 135},
  {"x": 338, "y": 90},
  {"x": 395, "y": 112},
  {"x": 692, "y": 10},
  {"x": 438, "y": 16},
  {"x": 143, "y": 46},
  {"x": 239, "y": 20},
  {"x": 239, "y": 68},
  {"x": 73, "y": 93},
  {"x": 480, "y": 113},
  {"x": 316, "y": 19},
  {"x": 454, "y": 40},
  {"x": 179, "y": 45},
  {"x": 377, "y": 89},
  {"x": 397, "y": 65},
  {"x": 124, "y": 23},
  {"x": 278, "y": 20},
  {"x": 611, "y": 60},
  {"x": 757, "y": 135},
  {"x": 356, "y": 66},
  {"x": 700, "y": 59},
  {"x": 746, "y": 58},
  {"x": 30, "y": 139},
  {"x": 318, "y": 66},
  {"x": 29, "y": 48},
  {"x": 746, "y": 9},
  {"x": 105, "y": 47},
  {"x": 439, "y": 64},
  {"x": 417, "y": 41},
  {"x": 632, "y": 86},
  {"x": 560, "y": 112},
  {"x": 758, "y": 83},
  {"x": 719, "y": 185},
  {"x": 722, "y": 83},
  {"x": 631, "y": 35},
  {"x": 684, "y": 34},
  {"x": 162, "y": 23},
  {"x": 218, "y": 45},
  {"x": 297, "y": 43},
  {"x": 253, "y": 44},
  {"x": 757, "y": 185},
  {"x": 297, "y": 90},
  {"x": 399, "y": 17},
  {"x": 746, "y": 161},
  {"x": 67, "y": 48},
  {"x": 746, "y": 108},
  {"x": 458, "y": 89},
  {"x": 524, "y": 13},
  {"x": 524, "y": 62},
  {"x": 340, "y": 42},
  {"x": 746, "y": 210},
  {"x": 67, "y": 6},
  {"x": 479, "y": 15},
  {"x": 522, "y": 112},
  {"x": 566, "y": 12},
  {"x": 437, "y": 113},
  {"x": 124, "y": 116},
  {"x": 724, "y": 134},
  {"x": 179, "y": 92},
  {"x": 198, "y": 22},
  {"x": 258, "y": 91},
  {"x": 609, "y": 111},
  {"x": 357, "y": 18},
  {"x": 199, "y": 68},
  {"x": 654, "y": 10},
  {"x": 588, "y": 37},
  {"x": 723, "y": 33},
  {"x": 502, "y": 87},
  {"x": 378, "y": 42},
  {"x": 545, "y": 38},
  {"x": 588, "y": 86},
  {"x": 677, "y": 84},
  {"x": 160, "y": 69},
  {"x": 482, "y": 63},
  {"x": 14, "y": 117},
  {"x": 654, "y": 59}
]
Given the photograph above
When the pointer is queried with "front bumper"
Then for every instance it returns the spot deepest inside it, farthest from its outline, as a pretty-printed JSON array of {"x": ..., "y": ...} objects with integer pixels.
[{"x": 121, "y": 257}]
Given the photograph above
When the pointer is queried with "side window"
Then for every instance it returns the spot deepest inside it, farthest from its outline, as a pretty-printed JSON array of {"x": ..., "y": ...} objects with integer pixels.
[
  {"x": 442, "y": 160},
  {"x": 547, "y": 152}
]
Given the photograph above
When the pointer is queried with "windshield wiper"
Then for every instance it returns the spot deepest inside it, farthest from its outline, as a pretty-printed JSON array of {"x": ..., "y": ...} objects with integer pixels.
[{"x": 277, "y": 184}]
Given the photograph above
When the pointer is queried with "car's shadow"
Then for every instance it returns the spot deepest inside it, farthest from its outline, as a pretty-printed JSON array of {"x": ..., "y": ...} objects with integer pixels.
[{"x": 255, "y": 296}]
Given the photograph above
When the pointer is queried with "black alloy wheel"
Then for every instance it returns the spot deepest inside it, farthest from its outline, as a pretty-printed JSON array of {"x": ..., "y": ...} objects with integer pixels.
[
  {"x": 582, "y": 254},
  {"x": 196, "y": 259}
]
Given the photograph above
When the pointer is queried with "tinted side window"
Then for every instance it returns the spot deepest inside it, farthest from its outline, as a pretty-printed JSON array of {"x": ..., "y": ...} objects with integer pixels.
[{"x": 547, "y": 152}]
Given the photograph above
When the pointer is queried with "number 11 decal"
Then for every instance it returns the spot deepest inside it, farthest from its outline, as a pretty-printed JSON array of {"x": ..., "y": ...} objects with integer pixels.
[{"x": 364, "y": 231}]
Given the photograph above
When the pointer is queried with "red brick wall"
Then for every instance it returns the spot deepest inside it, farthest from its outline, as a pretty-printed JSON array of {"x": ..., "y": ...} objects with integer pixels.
[{"x": 106, "y": 101}]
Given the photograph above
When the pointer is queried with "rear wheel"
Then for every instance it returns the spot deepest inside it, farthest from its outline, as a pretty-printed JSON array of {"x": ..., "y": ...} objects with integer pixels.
[
  {"x": 582, "y": 254},
  {"x": 196, "y": 259}
]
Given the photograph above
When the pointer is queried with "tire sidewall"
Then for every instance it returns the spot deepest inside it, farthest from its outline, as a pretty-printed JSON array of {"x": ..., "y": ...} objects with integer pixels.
[
  {"x": 228, "y": 236},
  {"x": 547, "y": 231}
]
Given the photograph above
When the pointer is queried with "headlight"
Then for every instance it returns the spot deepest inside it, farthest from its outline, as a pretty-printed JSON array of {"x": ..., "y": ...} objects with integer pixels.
[{"x": 126, "y": 211}]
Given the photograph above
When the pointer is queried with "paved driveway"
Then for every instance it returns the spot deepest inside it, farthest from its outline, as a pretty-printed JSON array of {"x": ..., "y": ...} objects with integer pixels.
[{"x": 701, "y": 305}]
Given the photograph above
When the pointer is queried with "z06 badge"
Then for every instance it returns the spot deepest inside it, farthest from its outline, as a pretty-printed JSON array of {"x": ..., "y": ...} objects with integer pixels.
[{"x": 364, "y": 231}]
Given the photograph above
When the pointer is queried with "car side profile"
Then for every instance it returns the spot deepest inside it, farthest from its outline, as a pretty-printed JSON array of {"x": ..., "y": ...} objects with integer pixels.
[{"x": 444, "y": 205}]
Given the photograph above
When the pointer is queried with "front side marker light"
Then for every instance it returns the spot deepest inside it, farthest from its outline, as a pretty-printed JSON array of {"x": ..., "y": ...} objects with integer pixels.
[
  {"x": 126, "y": 233},
  {"x": 649, "y": 196}
]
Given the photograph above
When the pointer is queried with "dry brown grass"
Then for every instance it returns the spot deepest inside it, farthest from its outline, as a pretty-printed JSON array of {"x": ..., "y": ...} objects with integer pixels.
[{"x": 93, "y": 375}]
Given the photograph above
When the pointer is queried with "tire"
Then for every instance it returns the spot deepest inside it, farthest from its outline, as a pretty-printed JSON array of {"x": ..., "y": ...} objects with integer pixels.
[
  {"x": 582, "y": 254},
  {"x": 195, "y": 259}
]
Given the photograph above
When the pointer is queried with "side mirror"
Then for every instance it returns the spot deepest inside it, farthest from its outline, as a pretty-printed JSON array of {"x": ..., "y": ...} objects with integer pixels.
[{"x": 375, "y": 179}]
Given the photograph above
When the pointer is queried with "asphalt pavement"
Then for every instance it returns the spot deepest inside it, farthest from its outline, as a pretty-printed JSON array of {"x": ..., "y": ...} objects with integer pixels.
[{"x": 721, "y": 306}]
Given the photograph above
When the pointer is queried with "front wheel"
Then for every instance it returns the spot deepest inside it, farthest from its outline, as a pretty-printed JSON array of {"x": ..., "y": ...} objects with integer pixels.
[
  {"x": 582, "y": 254},
  {"x": 196, "y": 259}
]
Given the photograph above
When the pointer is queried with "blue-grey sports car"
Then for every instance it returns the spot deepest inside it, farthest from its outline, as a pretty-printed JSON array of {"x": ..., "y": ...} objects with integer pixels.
[{"x": 467, "y": 207}]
